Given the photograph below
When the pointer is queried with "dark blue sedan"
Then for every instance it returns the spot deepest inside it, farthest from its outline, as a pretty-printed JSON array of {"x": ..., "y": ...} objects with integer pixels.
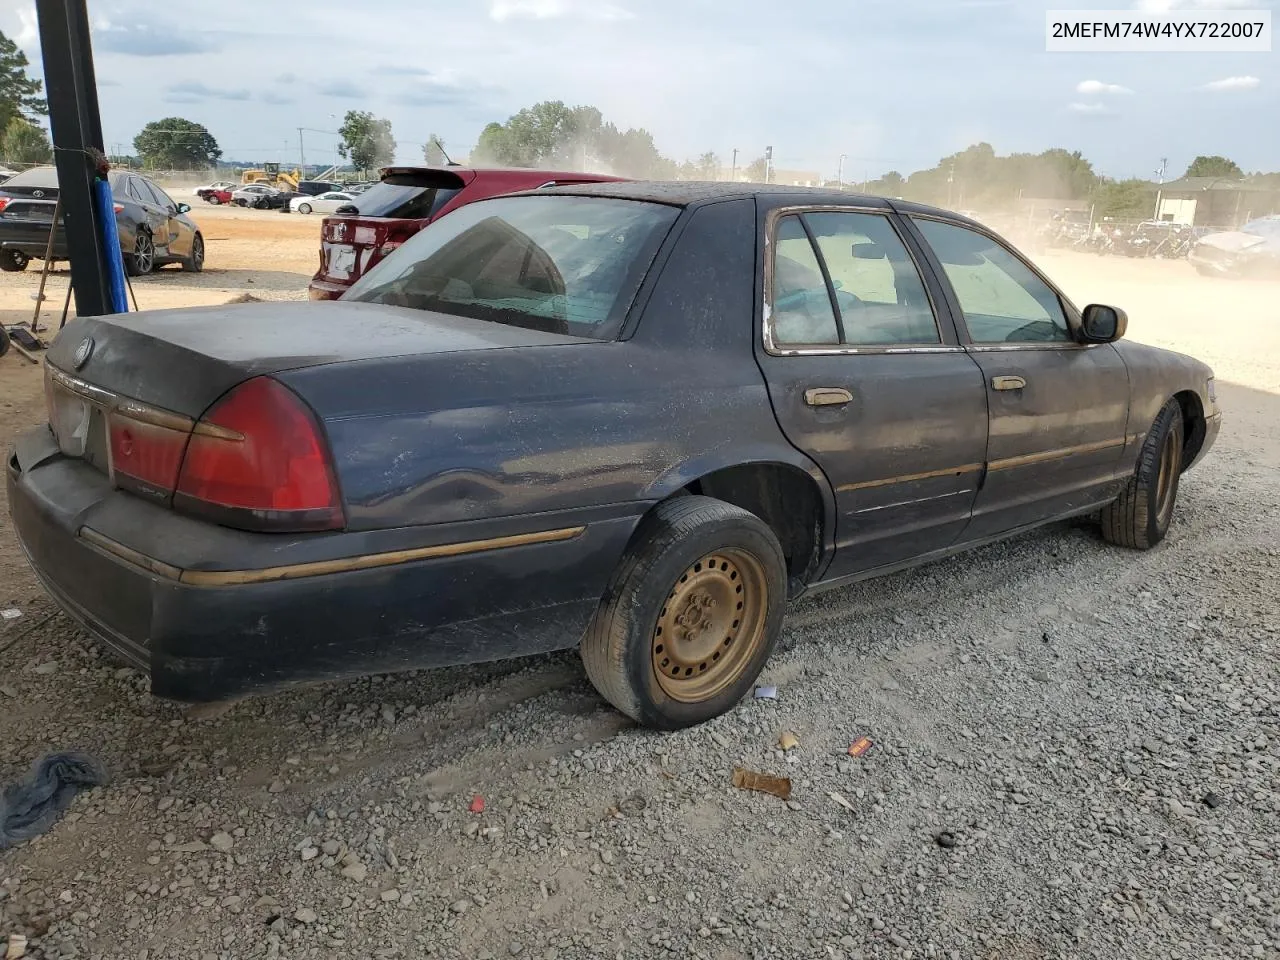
[{"x": 634, "y": 418}]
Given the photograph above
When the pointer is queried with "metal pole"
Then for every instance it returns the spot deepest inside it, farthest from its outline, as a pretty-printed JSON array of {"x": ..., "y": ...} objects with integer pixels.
[
  {"x": 733, "y": 174},
  {"x": 47, "y": 266},
  {"x": 840, "y": 173},
  {"x": 302, "y": 155},
  {"x": 77, "y": 145}
]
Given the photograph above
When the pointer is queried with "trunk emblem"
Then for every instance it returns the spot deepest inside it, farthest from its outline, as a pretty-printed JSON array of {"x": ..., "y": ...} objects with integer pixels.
[{"x": 83, "y": 353}]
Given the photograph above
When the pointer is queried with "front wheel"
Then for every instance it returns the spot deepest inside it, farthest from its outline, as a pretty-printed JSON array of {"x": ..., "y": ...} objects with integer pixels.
[
  {"x": 1140, "y": 517},
  {"x": 690, "y": 616},
  {"x": 304, "y": 208},
  {"x": 195, "y": 262}
]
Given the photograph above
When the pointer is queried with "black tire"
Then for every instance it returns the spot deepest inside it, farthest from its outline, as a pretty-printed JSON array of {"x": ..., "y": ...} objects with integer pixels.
[
  {"x": 4, "y": 341},
  {"x": 13, "y": 261},
  {"x": 728, "y": 563},
  {"x": 304, "y": 208},
  {"x": 195, "y": 262},
  {"x": 1140, "y": 517},
  {"x": 142, "y": 260},
  {"x": 214, "y": 200}
]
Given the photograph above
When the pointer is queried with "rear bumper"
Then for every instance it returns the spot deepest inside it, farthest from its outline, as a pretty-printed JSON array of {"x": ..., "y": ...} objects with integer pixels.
[
  {"x": 326, "y": 289},
  {"x": 205, "y": 636},
  {"x": 32, "y": 238}
]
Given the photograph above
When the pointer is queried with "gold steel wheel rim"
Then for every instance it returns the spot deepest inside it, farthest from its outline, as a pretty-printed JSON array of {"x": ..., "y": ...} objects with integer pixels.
[
  {"x": 1166, "y": 476},
  {"x": 710, "y": 626}
]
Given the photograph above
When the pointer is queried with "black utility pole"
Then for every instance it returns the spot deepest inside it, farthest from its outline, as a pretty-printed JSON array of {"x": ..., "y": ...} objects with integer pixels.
[{"x": 77, "y": 144}]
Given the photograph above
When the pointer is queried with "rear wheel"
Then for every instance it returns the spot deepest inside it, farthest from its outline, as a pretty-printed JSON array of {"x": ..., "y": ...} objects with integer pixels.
[
  {"x": 1140, "y": 517},
  {"x": 13, "y": 261},
  {"x": 195, "y": 262},
  {"x": 690, "y": 616},
  {"x": 143, "y": 259},
  {"x": 213, "y": 199}
]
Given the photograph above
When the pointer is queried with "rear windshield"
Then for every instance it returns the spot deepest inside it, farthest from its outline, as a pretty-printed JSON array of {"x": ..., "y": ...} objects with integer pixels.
[
  {"x": 560, "y": 264},
  {"x": 36, "y": 177},
  {"x": 402, "y": 202}
]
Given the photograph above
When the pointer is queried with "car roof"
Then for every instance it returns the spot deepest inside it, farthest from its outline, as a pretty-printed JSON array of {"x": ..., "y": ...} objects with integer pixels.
[{"x": 683, "y": 193}]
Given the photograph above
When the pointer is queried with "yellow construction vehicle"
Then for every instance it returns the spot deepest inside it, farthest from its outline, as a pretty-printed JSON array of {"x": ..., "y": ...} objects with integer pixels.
[{"x": 273, "y": 176}]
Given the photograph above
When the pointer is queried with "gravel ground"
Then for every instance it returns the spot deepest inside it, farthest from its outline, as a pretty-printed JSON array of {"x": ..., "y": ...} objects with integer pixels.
[{"x": 1076, "y": 753}]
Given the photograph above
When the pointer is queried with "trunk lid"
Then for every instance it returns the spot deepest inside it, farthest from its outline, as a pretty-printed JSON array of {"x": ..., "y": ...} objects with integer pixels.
[{"x": 183, "y": 360}]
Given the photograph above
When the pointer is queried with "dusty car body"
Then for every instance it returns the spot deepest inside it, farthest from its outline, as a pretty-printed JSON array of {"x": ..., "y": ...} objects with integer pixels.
[
  {"x": 1251, "y": 251},
  {"x": 636, "y": 417}
]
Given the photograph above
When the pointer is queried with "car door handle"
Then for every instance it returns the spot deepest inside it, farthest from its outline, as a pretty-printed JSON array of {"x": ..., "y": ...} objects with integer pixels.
[
  {"x": 827, "y": 396},
  {"x": 1007, "y": 383}
]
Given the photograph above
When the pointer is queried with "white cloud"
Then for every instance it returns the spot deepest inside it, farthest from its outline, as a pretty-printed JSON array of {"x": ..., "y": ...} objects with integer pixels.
[
  {"x": 1160, "y": 6},
  {"x": 501, "y": 10},
  {"x": 1093, "y": 88},
  {"x": 1089, "y": 108},
  {"x": 28, "y": 34},
  {"x": 1233, "y": 83}
]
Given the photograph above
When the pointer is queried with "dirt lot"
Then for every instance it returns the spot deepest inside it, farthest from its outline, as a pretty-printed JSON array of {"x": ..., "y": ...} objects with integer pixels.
[{"x": 1063, "y": 709}]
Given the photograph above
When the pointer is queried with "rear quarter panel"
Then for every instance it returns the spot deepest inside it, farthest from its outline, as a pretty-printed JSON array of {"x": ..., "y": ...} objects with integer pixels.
[{"x": 508, "y": 432}]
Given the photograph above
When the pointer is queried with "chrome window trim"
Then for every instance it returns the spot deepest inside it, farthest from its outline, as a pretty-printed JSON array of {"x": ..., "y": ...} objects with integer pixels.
[
  {"x": 1023, "y": 346},
  {"x": 776, "y": 349}
]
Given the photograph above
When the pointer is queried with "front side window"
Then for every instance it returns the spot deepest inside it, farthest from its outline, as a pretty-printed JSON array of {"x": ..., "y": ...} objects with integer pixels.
[
  {"x": 1002, "y": 299},
  {"x": 879, "y": 298},
  {"x": 561, "y": 264}
]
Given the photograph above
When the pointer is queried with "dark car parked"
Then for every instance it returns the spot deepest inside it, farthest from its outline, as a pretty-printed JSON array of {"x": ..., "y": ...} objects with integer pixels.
[
  {"x": 154, "y": 229},
  {"x": 313, "y": 188},
  {"x": 405, "y": 200},
  {"x": 636, "y": 417}
]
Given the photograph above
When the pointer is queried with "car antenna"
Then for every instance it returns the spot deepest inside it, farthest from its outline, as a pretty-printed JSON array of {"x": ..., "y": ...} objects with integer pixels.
[{"x": 447, "y": 159}]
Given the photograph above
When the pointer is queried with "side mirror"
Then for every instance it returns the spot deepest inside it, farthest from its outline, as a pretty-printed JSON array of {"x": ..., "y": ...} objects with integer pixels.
[
  {"x": 1103, "y": 324},
  {"x": 184, "y": 208}
]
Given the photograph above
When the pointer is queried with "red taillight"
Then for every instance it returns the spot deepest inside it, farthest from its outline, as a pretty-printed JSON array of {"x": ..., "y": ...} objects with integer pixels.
[
  {"x": 118, "y": 207},
  {"x": 145, "y": 456},
  {"x": 258, "y": 459},
  {"x": 4, "y": 202}
]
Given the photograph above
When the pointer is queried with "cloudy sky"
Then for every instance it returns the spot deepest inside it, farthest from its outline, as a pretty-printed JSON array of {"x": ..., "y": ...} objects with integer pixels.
[{"x": 892, "y": 84}]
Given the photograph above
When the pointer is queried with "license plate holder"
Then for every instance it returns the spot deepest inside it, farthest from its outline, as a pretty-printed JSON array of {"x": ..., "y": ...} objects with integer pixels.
[{"x": 342, "y": 260}]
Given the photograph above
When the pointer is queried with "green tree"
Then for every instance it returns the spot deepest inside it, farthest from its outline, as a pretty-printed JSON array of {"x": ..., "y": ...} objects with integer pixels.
[
  {"x": 1125, "y": 199},
  {"x": 708, "y": 166},
  {"x": 176, "y": 144},
  {"x": 24, "y": 142},
  {"x": 552, "y": 134},
  {"x": 366, "y": 140},
  {"x": 433, "y": 151},
  {"x": 20, "y": 95},
  {"x": 1214, "y": 166}
]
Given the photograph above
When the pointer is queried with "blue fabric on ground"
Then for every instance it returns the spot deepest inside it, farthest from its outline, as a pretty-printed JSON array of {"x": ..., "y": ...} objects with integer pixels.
[{"x": 31, "y": 806}]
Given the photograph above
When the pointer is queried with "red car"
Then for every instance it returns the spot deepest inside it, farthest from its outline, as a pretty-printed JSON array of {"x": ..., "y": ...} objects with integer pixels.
[
  {"x": 216, "y": 196},
  {"x": 407, "y": 199}
]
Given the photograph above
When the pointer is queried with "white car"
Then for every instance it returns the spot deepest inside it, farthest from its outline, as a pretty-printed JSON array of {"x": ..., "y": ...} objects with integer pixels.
[
  {"x": 322, "y": 203},
  {"x": 216, "y": 185},
  {"x": 252, "y": 194}
]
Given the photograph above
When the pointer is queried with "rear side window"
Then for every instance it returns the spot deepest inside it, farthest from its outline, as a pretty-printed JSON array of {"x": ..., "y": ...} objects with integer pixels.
[
  {"x": 403, "y": 202},
  {"x": 562, "y": 264}
]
